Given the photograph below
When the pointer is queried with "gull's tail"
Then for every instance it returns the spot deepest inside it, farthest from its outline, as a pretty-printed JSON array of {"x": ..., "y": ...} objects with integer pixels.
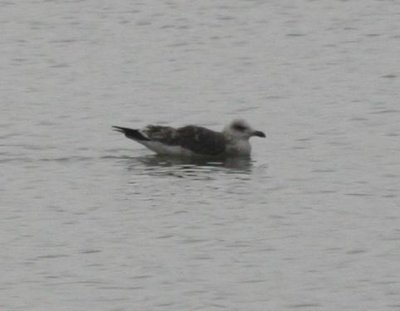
[{"x": 130, "y": 133}]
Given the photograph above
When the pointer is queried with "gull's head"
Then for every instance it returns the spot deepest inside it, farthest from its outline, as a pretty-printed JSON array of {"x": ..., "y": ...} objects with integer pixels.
[{"x": 240, "y": 129}]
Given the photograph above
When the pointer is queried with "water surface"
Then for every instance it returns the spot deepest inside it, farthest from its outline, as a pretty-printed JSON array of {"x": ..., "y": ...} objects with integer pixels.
[{"x": 92, "y": 221}]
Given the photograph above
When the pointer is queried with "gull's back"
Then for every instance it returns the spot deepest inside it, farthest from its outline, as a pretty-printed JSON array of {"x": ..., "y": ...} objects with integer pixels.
[{"x": 195, "y": 140}]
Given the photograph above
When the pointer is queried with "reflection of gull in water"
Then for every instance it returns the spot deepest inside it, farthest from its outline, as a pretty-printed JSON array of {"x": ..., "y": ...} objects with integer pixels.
[
  {"x": 194, "y": 140},
  {"x": 233, "y": 163},
  {"x": 173, "y": 166}
]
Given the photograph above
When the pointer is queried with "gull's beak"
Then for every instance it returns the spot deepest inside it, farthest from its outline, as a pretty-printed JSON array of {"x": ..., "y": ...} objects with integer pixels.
[{"x": 258, "y": 134}]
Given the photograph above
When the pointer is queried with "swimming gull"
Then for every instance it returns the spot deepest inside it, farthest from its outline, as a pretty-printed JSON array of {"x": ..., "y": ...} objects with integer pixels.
[{"x": 192, "y": 140}]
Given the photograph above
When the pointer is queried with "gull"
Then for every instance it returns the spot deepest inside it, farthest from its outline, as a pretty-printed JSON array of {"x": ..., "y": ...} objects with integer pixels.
[{"x": 192, "y": 140}]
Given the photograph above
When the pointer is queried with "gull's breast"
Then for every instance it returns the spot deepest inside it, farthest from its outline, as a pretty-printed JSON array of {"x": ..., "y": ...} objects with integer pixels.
[{"x": 241, "y": 147}]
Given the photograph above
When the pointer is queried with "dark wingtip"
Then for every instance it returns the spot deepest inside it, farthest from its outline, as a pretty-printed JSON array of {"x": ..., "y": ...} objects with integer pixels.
[
  {"x": 130, "y": 133},
  {"x": 118, "y": 129}
]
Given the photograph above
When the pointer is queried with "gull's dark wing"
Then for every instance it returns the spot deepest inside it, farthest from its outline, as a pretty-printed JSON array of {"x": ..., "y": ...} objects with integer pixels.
[{"x": 197, "y": 139}]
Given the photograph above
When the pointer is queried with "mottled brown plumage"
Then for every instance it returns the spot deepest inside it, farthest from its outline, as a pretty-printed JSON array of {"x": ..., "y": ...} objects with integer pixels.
[{"x": 195, "y": 140}]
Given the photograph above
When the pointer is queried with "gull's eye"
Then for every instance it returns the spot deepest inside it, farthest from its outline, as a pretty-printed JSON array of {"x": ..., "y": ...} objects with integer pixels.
[{"x": 239, "y": 127}]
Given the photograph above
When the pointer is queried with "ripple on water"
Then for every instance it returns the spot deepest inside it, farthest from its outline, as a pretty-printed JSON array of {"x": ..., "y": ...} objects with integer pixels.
[{"x": 181, "y": 167}]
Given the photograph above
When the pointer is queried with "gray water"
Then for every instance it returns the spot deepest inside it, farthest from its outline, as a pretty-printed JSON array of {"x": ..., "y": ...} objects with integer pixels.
[{"x": 92, "y": 221}]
